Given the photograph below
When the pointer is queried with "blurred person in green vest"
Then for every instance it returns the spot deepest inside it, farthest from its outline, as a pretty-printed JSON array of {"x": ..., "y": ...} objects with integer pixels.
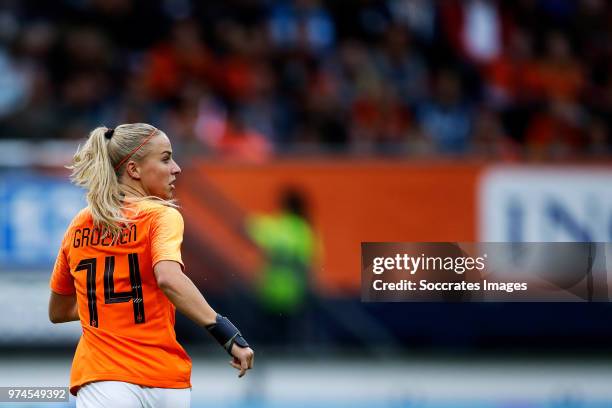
[{"x": 289, "y": 244}]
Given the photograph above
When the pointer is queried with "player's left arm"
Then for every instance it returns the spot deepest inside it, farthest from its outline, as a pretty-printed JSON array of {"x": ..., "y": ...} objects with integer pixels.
[
  {"x": 188, "y": 299},
  {"x": 63, "y": 308}
]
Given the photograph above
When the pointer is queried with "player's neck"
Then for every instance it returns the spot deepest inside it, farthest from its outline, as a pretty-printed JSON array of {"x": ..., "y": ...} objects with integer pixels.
[{"x": 132, "y": 190}]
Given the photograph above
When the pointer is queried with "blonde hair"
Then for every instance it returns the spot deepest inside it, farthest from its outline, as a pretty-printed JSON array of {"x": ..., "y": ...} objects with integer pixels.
[{"x": 98, "y": 165}]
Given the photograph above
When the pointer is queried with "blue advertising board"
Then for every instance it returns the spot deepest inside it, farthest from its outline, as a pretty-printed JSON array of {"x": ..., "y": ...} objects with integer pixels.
[{"x": 35, "y": 210}]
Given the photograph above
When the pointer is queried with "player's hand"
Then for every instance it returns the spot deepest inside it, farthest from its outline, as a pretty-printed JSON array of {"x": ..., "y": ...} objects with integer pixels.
[{"x": 243, "y": 359}]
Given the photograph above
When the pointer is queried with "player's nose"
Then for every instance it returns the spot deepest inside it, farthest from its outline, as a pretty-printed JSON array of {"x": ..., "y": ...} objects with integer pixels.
[{"x": 176, "y": 169}]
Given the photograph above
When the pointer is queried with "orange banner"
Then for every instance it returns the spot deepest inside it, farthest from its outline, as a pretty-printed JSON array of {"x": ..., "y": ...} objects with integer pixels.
[{"x": 349, "y": 202}]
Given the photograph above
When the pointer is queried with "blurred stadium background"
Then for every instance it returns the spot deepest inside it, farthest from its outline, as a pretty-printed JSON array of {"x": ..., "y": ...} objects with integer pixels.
[{"x": 304, "y": 128}]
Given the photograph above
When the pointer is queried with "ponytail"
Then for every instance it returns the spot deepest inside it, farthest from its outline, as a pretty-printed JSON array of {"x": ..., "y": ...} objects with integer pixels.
[{"x": 92, "y": 169}]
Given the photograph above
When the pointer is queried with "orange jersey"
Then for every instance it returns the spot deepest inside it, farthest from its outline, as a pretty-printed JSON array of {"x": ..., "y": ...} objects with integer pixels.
[{"x": 128, "y": 322}]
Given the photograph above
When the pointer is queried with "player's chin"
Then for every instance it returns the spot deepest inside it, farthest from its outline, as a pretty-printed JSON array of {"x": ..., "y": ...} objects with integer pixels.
[
  {"x": 166, "y": 194},
  {"x": 170, "y": 194}
]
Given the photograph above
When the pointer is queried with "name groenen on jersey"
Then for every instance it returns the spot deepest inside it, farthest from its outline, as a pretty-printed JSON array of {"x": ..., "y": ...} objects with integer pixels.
[{"x": 93, "y": 236}]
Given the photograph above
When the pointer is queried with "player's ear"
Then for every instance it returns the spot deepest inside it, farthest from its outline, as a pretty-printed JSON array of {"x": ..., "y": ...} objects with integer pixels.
[{"x": 133, "y": 170}]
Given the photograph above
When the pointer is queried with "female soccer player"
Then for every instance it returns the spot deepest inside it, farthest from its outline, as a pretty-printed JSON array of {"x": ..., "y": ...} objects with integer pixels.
[{"x": 119, "y": 271}]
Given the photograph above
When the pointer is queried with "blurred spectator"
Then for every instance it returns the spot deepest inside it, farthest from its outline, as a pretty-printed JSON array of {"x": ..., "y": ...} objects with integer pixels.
[
  {"x": 555, "y": 132},
  {"x": 599, "y": 139},
  {"x": 211, "y": 119},
  {"x": 238, "y": 142},
  {"x": 301, "y": 25},
  {"x": 324, "y": 111},
  {"x": 288, "y": 242},
  {"x": 178, "y": 62},
  {"x": 243, "y": 49},
  {"x": 446, "y": 120},
  {"x": 418, "y": 16},
  {"x": 474, "y": 28},
  {"x": 34, "y": 117},
  {"x": 559, "y": 72},
  {"x": 512, "y": 78},
  {"x": 15, "y": 84},
  {"x": 490, "y": 139},
  {"x": 366, "y": 20},
  {"x": 262, "y": 110},
  {"x": 590, "y": 25},
  {"x": 379, "y": 117},
  {"x": 398, "y": 63}
]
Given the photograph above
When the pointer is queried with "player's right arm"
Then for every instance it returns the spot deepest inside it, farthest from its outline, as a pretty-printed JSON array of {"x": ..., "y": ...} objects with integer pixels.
[
  {"x": 62, "y": 302},
  {"x": 63, "y": 308}
]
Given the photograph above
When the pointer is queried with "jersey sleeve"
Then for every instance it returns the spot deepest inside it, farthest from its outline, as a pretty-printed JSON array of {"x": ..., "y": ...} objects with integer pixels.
[
  {"x": 167, "y": 236},
  {"x": 62, "y": 281}
]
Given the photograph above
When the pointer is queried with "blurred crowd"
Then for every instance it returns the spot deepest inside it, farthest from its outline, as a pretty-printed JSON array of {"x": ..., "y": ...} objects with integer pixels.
[{"x": 248, "y": 79}]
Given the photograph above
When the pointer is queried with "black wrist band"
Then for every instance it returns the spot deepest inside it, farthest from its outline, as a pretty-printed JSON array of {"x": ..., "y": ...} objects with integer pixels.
[{"x": 226, "y": 334}]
